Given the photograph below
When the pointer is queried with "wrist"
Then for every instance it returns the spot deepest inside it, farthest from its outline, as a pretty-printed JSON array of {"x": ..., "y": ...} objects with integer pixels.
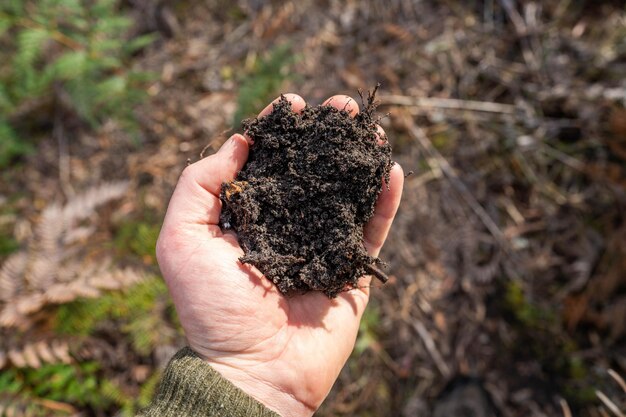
[{"x": 272, "y": 395}]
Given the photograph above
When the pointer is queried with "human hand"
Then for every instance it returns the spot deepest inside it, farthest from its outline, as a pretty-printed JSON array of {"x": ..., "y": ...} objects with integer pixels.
[{"x": 284, "y": 352}]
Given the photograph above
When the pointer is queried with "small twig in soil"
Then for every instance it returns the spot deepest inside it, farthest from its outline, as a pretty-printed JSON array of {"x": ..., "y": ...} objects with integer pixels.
[
  {"x": 371, "y": 97},
  {"x": 378, "y": 273}
]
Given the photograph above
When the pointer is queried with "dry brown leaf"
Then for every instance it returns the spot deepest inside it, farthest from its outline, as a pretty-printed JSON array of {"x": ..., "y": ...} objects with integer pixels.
[
  {"x": 29, "y": 304},
  {"x": 398, "y": 32},
  {"x": 353, "y": 77},
  {"x": 35, "y": 276},
  {"x": 617, "y": 123},
  {"x": 45, "y": 352},
  {"x": 16, "y": 357},
  {"x": 11, "y": 275},
  {"x": 30, "y": 356},
  {"x": 575, "y": 308},
  {"x": 61, "y": 350},
  {"x": 9, "y": 316}
]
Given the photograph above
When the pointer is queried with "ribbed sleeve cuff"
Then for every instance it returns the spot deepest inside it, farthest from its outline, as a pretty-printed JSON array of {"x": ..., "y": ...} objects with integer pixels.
[{"x": 190, "y": 387}]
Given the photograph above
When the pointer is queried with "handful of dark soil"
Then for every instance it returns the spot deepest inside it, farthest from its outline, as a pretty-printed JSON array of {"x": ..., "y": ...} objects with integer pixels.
[{"x": 301, "y": 200}]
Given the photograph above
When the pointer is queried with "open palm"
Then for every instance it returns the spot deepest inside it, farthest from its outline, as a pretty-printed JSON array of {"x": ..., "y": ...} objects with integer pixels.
[{"x": 284, "y": 352}]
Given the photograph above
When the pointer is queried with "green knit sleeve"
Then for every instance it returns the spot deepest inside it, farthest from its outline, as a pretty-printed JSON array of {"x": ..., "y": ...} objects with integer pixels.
[{"x": 191, "y": 388}]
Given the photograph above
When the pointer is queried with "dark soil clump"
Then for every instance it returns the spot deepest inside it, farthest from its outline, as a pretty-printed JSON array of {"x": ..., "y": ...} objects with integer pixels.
[{"x": 300, "y": 202}]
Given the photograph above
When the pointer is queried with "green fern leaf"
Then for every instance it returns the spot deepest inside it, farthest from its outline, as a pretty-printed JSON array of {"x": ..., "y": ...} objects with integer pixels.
[
  {"x": 82, "y": 92},
  {"x": 30, "y": 43},
  {"x": 6, "y": 106},
  {"x": 264, "y": 81},
  {"x": 5, "y": 24},
  {"x": 10, "y": 145},
  {"x": 14, "y": 7},
  {"x": 111, "y": 87},
  {"x": 96, "y": 75},
  {"x": 106, "y": 45},
  {"x": 104, "y": 7},
  {"x": 70, "y": 65},
  {"x": 139, "y": 43},
  {"x": 113, "y": 25},
  {"x": 73, "y": 6},
  {"x": 108, "y": 63},
  {"x": 148, "y": 389}
]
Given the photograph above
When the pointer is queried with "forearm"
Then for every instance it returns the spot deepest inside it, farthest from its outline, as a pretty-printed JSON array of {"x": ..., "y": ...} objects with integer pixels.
[
  {"x": 192, "y": 388},
  {"x": 272, "y": 396}
]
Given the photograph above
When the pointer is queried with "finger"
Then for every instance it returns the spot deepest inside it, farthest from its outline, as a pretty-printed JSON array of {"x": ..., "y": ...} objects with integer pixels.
[
  {"x": 196, "y": 197},
  {"x": 376, "y": 230},
  {"x": 220, "y": 167},
  {"x": 343, "y": 102},
  {"x": 363, "y": 286},
  {"x": 381, "y": 136},
  {"x": 366, "y": 281},
  {"x": 378, "y": 227},
  {"x": 297, "y": 104}
]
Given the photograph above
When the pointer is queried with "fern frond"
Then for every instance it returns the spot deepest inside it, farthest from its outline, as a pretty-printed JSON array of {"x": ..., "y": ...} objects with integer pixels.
[
  {"x": 10, "y": 145},
  {"x": 12, "y": 6},
  {"x": 11, "y": 317},
  {"x": 88, "y": 63},
  {"x": 15, "y": 405},
  {"x": 29, "y": 43},
  {"x": 80, "y": 281},
  {"x": 69, "y": 65},
  {"x": 48, "y": 271},
  {"x": 83, "y": 206},
  {"x": 5, "y": 24},
  {"x": 53, "y": 389},
  {"x": 11, "y": 275},
  {"x": 116, "y": 279},
  {"x": 5, "y": 99},
  {"x": 22, "y": 352},
  {"x": 21, "y": 405},
  {"x": 59, "y": 221},
  {"x": 28, "y": 351}
]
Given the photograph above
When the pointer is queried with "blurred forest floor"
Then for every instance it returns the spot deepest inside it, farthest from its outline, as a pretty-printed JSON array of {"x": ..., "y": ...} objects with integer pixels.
[{"x": 508, "y": 255}]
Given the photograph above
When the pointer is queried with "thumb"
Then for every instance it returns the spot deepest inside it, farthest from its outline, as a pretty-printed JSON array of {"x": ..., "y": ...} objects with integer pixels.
[{"x": 196, "y": 197}]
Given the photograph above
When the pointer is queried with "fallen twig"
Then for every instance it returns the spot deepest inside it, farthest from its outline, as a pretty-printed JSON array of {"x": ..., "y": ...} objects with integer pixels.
[
  {"x": 431, "y": 347},
  {"x": 378, "y": 273},
  {"x": 620, "y": 381},
  {"x": 567, "y": 412},
  {"x": 418, "y": 134},
  {"x": 521, "y": 29},
  {"x": 449, "y": 103},
  {"x": 609, "y": 404}
]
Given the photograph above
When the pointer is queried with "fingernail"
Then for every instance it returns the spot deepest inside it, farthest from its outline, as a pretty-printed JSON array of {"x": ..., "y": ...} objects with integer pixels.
[{"x": 227, "y": 144}]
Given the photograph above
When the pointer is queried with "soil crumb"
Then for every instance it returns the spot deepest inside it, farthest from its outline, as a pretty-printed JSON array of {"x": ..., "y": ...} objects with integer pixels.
[{"x": 301, "y": 200}]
